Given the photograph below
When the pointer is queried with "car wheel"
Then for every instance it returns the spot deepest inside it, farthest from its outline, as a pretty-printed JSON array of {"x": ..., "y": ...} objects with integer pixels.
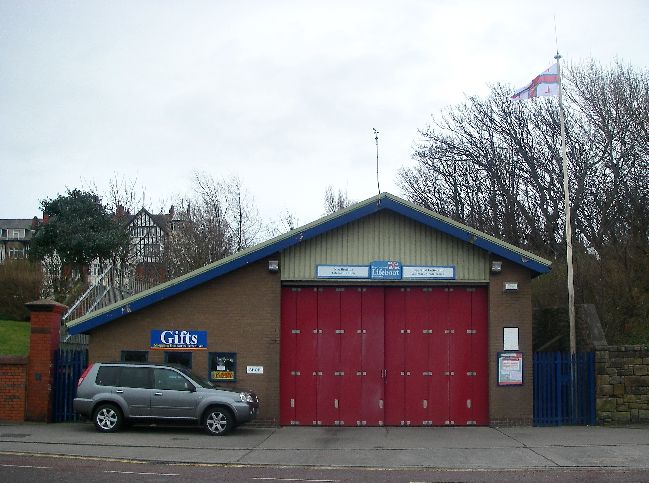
[
  {"x": 218, "y": 421},
  {"x": 108, "y": 418}
]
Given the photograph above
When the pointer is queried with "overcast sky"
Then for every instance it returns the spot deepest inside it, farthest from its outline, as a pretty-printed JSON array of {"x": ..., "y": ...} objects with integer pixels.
[{"x": 283, "y": 95}]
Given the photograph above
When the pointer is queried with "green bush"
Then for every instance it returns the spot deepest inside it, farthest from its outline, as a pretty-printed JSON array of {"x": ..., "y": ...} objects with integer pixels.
[{"x": 20, "y": 282}]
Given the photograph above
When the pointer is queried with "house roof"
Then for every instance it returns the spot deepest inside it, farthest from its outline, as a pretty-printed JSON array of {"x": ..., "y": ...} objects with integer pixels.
[
  {"x": 18, "y": 223},
  {"x": 384, "y": 201},
  {"x": 161, "y": 220},
  {"x": 21, "y": 224}
]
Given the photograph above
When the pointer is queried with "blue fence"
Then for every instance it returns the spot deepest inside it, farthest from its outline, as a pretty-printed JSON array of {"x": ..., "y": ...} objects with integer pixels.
[
  {"x": 557, "y": 400},
  {"x": 68, "y": 366}
]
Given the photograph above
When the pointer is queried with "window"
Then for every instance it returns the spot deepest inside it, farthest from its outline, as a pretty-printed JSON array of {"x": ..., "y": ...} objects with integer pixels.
[
  {"x": 16, "y": 253},
  {"x": 135, "y": 356},
  {"x": 107, "y": 376},
  {"x": 170, "y": 380},
  {"x": 139, "y": 377},
  {"x": 181, "y": 358},
  {"x": 16, "y": 233},
  {"x": 223, "y": 366}
]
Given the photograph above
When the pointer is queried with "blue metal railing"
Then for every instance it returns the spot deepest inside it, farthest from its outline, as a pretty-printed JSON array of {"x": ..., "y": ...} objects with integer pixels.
[
  {"x": 561, "y": 397},
  {"x": 68, "y": 366}
]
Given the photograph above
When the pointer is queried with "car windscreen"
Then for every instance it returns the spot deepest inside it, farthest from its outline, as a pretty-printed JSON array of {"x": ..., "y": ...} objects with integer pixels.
[{"x": 203, "y": 382}]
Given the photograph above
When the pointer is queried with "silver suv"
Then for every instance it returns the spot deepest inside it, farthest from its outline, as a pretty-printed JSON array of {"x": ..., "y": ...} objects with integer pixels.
[{"x": 111, "y": 393}]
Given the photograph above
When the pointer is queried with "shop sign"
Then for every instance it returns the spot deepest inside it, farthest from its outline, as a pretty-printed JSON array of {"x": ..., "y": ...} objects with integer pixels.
[
  {"x": 173, "y": 339},
  {"x": 429, "y": 273},
  {"x": 385, "y": 270},
  {"x": 342, "y": 271}
]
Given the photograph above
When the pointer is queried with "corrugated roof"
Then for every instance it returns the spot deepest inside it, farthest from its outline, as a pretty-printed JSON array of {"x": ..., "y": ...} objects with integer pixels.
[{"x": 384, "y": 201}]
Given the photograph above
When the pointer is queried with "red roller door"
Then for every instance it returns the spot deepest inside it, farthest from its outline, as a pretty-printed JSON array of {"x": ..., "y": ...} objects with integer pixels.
[{"x": 395, "y": 356}]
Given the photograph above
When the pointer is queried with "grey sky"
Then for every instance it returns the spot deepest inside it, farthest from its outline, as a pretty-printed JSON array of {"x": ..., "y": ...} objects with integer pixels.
[{"x": 283, "y": 95}]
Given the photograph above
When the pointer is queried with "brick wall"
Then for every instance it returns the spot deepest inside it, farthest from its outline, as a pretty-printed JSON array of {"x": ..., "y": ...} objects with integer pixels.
[
  {"x": 13, "y": 386},
  {"x": 622, "y": 384},
  {"x": 509, "y": 405},
  {"x": 45, "y": 319},
  {"x": 240, "y": 312}
]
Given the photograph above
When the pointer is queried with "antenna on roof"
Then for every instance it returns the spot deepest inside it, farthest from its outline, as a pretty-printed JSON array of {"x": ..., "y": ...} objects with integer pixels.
[{"x": 376, "y": 138}]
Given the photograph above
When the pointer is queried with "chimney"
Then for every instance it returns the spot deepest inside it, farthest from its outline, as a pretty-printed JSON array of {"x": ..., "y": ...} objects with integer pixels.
[
  {"x": 34, "y": 223},
  {"x": 46, "y": 218},
  {"x": 171, "y": 212},
  {"x": 120, "y": 210}
]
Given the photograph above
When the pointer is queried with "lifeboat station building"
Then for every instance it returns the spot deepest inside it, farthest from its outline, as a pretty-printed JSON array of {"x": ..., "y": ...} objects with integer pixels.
[{"x": 380, "y": 314}]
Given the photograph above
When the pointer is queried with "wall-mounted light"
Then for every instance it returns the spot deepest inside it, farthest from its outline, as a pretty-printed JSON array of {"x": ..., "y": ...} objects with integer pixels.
[
  {"x": 496, "y": 266},
  {"x": 273, "y": 266},
  {"x": 511, "y": 286}
]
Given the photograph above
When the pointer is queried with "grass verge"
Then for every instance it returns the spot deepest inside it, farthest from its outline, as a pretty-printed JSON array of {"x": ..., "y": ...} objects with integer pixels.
[{"x": 14, "y": 338}]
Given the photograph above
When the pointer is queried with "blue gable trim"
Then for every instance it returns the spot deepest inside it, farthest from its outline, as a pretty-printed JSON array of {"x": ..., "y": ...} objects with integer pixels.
[
  {"x": 356, "y": 212},
  {"x": 466, "y": 234}
]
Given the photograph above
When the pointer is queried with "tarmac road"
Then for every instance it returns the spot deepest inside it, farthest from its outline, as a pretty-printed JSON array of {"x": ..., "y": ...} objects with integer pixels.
[
  {"x": 30, "y": 468},
  {"x": 599, "y": 449}
]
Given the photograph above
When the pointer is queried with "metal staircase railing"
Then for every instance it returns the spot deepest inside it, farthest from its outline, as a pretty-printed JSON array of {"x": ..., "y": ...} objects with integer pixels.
[
  {"x": 89, "y": 300},
  {"x": 112, "y": 285}
]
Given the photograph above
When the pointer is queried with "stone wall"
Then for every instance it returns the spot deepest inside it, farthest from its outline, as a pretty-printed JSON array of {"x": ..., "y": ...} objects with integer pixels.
[{"x": 623, "y": 384}]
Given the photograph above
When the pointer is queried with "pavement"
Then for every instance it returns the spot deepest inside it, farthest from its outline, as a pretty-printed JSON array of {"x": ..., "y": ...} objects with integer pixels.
[{"x": 492, "y": 448}]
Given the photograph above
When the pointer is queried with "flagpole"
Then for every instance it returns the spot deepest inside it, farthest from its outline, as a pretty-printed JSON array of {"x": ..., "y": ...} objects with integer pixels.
[{"x": 566, "y": 198}]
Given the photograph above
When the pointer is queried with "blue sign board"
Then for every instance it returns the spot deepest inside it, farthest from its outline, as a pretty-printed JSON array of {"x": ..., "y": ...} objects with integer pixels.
[
  {"x": 385, "y": 270},
  {"x": 171, "y": 339}
]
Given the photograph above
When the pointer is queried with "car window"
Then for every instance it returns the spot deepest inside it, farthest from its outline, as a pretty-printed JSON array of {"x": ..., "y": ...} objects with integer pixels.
[
  {"x": 135, "y": 377},
  {"x": 170, "y": 380},
  {"x": 107, "y": 376}
]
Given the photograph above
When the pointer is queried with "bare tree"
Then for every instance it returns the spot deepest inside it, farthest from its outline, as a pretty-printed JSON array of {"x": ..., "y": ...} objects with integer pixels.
[
  {"x": 286, "y": 222},
  {"x": 336, "y": 200},
  {"x": 495, "y": 164},
  {"x": 217, "y": 221}
]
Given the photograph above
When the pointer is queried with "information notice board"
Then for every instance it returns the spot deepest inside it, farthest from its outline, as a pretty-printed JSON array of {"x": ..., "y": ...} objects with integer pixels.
[{"x": 510, "y": 368}]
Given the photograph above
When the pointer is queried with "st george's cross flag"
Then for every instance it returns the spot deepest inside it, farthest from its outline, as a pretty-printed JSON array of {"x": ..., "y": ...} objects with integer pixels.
[{"x": 544, "y": 84}]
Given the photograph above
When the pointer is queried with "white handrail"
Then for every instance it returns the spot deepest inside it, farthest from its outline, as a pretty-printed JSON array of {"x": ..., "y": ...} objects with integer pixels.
[{"x": 87, "y": 292}]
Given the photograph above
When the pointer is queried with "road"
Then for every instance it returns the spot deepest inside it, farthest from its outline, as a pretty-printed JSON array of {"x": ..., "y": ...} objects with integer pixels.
[{"x": 27, "y": 468}]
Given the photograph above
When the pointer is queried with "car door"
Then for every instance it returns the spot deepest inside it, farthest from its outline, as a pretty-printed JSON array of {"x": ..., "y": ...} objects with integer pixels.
[
  {"x": 174, "y": 396},
  {"x": 135, "y": 387}
]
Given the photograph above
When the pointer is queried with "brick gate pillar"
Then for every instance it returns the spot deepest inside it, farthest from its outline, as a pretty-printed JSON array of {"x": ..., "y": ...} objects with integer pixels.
[{"x": 45, "y": 317}]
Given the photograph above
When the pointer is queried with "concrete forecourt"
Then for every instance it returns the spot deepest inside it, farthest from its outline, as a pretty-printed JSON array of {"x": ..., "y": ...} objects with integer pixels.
[{"x": 491, "y": 448}]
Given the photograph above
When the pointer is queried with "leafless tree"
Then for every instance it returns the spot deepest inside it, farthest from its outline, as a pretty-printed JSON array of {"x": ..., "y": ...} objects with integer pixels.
[
  {"x": 336, "y": 200},
  {"x": 218, "y": 220},
  {"x": 287, "y": 221},
  {"x": 495, "y": 164}
]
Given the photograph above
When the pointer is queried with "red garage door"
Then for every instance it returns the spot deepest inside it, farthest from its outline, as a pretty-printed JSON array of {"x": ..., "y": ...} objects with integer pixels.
[{"x": 384, "y": 356}]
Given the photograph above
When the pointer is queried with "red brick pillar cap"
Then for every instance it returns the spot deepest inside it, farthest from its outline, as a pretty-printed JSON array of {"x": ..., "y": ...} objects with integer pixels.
[{"x": 46, "y": 306}]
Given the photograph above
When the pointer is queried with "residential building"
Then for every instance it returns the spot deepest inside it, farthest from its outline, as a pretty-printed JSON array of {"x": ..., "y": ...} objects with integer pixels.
[{"x": 15, "y": 237}]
